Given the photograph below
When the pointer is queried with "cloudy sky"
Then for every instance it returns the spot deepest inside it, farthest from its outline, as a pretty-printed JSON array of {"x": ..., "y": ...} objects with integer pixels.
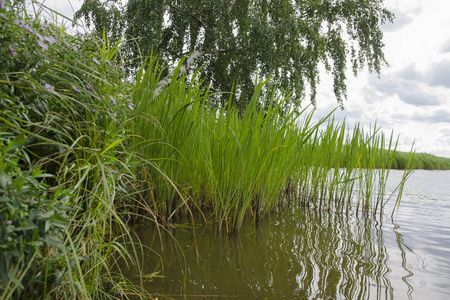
[{"x": 412, "y": 94}]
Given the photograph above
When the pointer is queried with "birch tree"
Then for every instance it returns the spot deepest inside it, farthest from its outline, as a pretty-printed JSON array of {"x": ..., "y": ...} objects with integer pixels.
[{"x": 237, "y": 40}]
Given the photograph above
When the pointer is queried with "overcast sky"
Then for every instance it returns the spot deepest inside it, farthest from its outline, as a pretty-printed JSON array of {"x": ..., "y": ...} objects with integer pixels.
[{"x": 412, "y": 95}]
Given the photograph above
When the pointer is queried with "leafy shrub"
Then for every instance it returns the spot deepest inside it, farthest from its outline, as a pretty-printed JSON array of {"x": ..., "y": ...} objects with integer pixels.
[
  {"x": 32, "y": 224},
  {"x": 63, "y": 165}
]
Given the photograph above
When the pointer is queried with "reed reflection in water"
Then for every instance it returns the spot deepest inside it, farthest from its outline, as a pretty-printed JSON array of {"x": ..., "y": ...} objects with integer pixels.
[{"x": 295, "y": 254}]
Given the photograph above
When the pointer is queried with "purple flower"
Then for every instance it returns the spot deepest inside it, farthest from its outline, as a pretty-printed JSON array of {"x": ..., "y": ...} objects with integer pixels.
[
  {"x": 89, "y": 87},
  {"x": 49, "y": 87},
  {"x": 130, "y": 106},
  {"x": 18, "y": 23},
  {"x": 50, "y": 39},
  {"x": 43, "y": 45},
  {"x": 122, "y": 68},
  {"x": 9, "y": 222},
  {"x": 75, "y": 48},
  {"x": 40, "y": 37},
  {"x": 95, "y": 60},
  {"x": 13, "y": 51},
  {"x": 75, "y": 89},
  {"x": 108, "y": 62},
  {"x": 112, "y": 99},
  {"x": 40, "y": 213},
  {"x": 2, "y": 3},
  {"x": 28, "y": 27},
  {"x": 33, "y": 69}
]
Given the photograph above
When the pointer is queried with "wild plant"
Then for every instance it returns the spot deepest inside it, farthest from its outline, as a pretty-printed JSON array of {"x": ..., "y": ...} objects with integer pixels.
[
  {"x": 230, "y": 164},
  {"x": 65, "y": 169}
]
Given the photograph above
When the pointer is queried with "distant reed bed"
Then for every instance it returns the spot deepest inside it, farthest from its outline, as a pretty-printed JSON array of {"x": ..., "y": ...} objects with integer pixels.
[{"x": 420, "y": 161}]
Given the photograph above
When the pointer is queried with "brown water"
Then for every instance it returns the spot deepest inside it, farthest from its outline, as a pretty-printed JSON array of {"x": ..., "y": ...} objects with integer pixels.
[{"x": 298, "y": 254}]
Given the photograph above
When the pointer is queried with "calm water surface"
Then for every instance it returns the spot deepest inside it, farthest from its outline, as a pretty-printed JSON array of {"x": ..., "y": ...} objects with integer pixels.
[{"x": 297, "y": 254}]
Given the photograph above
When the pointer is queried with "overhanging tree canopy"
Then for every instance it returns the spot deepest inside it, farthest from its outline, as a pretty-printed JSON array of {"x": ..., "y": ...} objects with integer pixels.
[{"x": 237, "y": 39}]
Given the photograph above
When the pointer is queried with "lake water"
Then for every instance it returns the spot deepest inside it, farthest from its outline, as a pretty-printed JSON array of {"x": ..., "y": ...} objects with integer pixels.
[{"x": 298, "y": 254}]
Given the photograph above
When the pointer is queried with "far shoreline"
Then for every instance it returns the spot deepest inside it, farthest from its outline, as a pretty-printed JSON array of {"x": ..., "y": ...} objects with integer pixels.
[{"x": 424, "y": 161}]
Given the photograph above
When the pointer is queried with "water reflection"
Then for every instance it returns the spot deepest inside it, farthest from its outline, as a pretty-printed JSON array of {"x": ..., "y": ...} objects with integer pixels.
[
  {"x": 296, "y": 254},
  {"x": 302, "y": 254},
  {"x": 422, "y": 236}
]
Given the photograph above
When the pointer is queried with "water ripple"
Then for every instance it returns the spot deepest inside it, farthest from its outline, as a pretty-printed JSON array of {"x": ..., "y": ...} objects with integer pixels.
[{"x": 298, "y": 254}]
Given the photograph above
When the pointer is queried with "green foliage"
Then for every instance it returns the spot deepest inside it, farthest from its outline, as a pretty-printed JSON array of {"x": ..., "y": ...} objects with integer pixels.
[
  {"x": 32, "y": 223},
  {"x": 64, "y": 170},
  {"x": 83, "y": 151},
  {"x": 287, "y": 40},
  {"x": 106, "y": 15}
]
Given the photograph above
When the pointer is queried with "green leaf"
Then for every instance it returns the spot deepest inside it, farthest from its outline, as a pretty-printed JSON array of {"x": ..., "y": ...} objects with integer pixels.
[
  {"x": 48, "y": 214},
  {"x": 26, "y": 226},
  {"x": 112, "y": 145},
  {"x": 5, "y": 180},
  {"x": 17, "y": 142},
  {"x": 47, "y": 226}
]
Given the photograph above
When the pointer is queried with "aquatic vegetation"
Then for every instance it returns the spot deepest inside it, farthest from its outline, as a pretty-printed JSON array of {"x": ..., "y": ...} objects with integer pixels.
[
  {"x": 231, "y": 164},
  {"x": 421, "y": 161}
]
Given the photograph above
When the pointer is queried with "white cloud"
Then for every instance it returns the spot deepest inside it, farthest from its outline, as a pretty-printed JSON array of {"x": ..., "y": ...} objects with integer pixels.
[
  {"x": 440, "y": 74},
  {"x": 438, "y": 115},
  {"x": 401, "y": 20},
  {"x": 408, "y": 91}
]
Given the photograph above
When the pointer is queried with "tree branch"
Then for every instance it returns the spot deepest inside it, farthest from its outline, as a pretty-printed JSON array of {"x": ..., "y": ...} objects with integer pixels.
[
  {"x": 233, "y": 2},
  {"x": 190, "y": 60},
  {"x": 187, "y": 64},
  {"x": 189, "y": 13}
]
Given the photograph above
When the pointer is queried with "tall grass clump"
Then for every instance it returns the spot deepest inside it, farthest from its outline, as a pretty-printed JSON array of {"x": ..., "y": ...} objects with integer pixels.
[
  {"x": 225, "y": 162},
  {"x": 345, "y": 169},
  {"x": 229, "y": 164},
  {"x": 65, "y": 170}
]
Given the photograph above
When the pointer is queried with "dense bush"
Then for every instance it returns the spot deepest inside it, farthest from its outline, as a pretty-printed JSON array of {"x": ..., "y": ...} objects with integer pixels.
[
  {"x": 35, "y": 221},
  {"x": 63, "y": 166}
]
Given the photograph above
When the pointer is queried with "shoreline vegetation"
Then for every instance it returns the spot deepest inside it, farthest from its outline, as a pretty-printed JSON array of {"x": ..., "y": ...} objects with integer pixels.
[
  {"x": 424, "y": 161},
  {"x": 86, "y": 152}
]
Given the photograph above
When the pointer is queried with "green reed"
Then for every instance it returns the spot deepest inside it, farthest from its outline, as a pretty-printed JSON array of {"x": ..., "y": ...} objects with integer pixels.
[
  {"x": 230, "y": 164},
  {"x": 347, "y": 169}
]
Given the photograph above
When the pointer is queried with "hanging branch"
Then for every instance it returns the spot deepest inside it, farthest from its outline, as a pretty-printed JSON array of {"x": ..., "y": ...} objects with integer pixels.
[{"x": 185, "y": 67}]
